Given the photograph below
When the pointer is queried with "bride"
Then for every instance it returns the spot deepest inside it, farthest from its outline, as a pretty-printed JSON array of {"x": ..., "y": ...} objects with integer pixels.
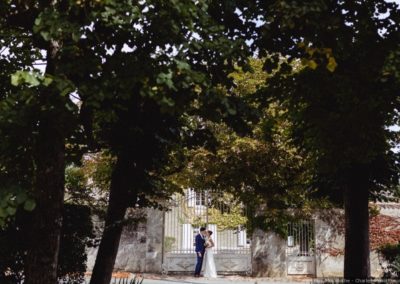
[{"x": 209, "y": 271}]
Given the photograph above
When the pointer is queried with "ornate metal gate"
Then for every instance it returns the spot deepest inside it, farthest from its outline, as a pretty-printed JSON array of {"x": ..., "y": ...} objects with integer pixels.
[
  {"x": 220, "y": 213},
  {"x": 301, "y": 248}
]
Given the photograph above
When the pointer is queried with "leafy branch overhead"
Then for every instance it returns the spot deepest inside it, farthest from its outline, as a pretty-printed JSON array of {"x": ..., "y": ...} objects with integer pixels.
[
  {"x": 172, "y": 91},
  {"x": 263, "y": 168}
]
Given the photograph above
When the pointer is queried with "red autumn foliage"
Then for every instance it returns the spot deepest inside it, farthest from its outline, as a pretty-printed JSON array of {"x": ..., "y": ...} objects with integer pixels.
[{"x": 383, "y": 230}]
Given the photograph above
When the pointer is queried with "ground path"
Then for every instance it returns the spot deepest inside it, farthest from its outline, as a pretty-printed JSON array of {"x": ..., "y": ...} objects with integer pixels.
[{"x": 175, "y": 279}]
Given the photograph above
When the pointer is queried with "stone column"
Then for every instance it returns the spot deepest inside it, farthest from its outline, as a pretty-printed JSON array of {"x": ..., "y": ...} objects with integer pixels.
[
  {"x": 269, "y": 254},
  {"x": 131, "y": 251},
  {"x": 329, "y": 242},
  {"x": 154, "y": 237}
]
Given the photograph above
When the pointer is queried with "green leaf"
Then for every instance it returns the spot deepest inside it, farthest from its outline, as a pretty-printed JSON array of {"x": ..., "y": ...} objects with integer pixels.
[
  {"x": 29, "y": 205},
  {"x": 38, "y": 20},
  {"x": 64, "y": 86},
  {"x": 47, "y": 81},
  {"x": 21, "y": 198},
  {"x": 75, "y": 37},
  {"x": 11, "y": 210},
  {"x": 3, "y": 202},
  {"x": 45, "y": 35},
  {"x": 166, "y": 78},
  {"x": 3, "y": 213},
  {"x": 331, "y": 66},
  {"x": 312, "y": 64},
  {"x": 15, "y": 79},
  {"x": 182, "y": 65},
  {"x": 30, "y": 79},
  {"x": 231, "y": 110}
]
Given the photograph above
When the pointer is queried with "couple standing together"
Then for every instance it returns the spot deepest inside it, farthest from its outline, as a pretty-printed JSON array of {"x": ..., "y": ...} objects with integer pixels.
[{"x": 204, "y": 245}]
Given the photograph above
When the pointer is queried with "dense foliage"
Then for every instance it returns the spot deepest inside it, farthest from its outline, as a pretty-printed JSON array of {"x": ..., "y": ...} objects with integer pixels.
[
  {"x": 146, "y": 81},
  {"x": 262, "y": 168},
  {"x": 76, "y": 236},
  {"x": 342, "y": 103},
  {"x": 135, "y": 67}
]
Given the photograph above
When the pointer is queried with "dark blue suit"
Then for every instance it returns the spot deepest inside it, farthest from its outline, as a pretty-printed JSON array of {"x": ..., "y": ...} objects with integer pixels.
[{"x": 199, "y": 249}]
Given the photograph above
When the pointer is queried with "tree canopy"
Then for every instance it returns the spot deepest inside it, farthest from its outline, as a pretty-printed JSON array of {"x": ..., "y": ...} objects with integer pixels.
[
  {"x": 342, "y": 103},
  {"x": 147, "y": 81}
]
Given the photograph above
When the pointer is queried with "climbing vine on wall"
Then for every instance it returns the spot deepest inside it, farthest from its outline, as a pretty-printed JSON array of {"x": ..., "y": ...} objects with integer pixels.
[{"x": 383, "y": 230}]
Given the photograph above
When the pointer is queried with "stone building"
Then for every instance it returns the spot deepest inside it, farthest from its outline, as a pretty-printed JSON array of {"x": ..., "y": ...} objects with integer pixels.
[{"x": 165, "y": 242}]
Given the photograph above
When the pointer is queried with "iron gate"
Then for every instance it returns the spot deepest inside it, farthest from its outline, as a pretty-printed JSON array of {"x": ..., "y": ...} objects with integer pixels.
[
  {"x": 220, "y": 213},
  {"x": 301, "y": 248}
]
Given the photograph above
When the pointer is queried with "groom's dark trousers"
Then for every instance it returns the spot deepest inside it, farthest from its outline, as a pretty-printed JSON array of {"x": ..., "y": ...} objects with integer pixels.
[{"x": 199, "y": 249}]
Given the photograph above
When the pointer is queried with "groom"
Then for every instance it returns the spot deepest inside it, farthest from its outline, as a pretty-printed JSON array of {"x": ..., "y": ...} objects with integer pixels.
[{"x": 200, "y": 249}]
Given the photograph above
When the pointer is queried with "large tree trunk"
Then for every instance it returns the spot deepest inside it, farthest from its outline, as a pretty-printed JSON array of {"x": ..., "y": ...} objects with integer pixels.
[
  {"x": 42, "y": 258},
  {"x": 117, "y": 205},
  {"x": 45, "y": 227},
  {"x": 356, "y": 256}
]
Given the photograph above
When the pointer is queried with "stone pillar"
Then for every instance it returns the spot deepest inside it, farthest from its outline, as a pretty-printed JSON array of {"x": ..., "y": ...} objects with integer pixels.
[
  {"x": 268, "y": 254},
  {"x": 329, "y": 243},
  {"x": 131, "y": 251},
  {"x": 154, "y": 237}
]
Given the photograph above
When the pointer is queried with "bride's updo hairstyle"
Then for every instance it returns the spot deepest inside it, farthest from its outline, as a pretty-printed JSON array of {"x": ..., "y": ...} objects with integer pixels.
[{"x": 210, "y": 232}]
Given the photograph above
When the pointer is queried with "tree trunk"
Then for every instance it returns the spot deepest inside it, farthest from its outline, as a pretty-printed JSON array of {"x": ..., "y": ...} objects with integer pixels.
[
  {"x": 356, "y": 256},
  {"x": 45, "y": 226},
  {"x": 117, "y": 205}
]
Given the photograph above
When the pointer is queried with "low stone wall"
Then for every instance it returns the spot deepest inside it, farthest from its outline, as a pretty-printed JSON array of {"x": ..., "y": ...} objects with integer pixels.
[
  {"x": 330, "y": 240},
  {"x": 141, "y": 249},
  {"x": 269, "y": 250}
]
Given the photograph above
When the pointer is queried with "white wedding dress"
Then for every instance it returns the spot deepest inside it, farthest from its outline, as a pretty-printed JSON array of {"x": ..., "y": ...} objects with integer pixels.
[{"x": 209, "y": 264}]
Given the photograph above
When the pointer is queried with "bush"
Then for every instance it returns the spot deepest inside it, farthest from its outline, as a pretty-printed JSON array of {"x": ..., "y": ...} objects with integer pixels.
[
  {"x": 391, "y": 254},
  {"x": 76, "y": 234},
  {"x": 169, "y": 243}
]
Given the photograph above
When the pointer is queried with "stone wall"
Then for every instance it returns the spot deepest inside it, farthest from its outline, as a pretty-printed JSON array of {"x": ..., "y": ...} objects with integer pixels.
[
  {"x": 329, "y": 243},
  {"x": 269, "y": 250},
  {"x": 140, "y": 248}
]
